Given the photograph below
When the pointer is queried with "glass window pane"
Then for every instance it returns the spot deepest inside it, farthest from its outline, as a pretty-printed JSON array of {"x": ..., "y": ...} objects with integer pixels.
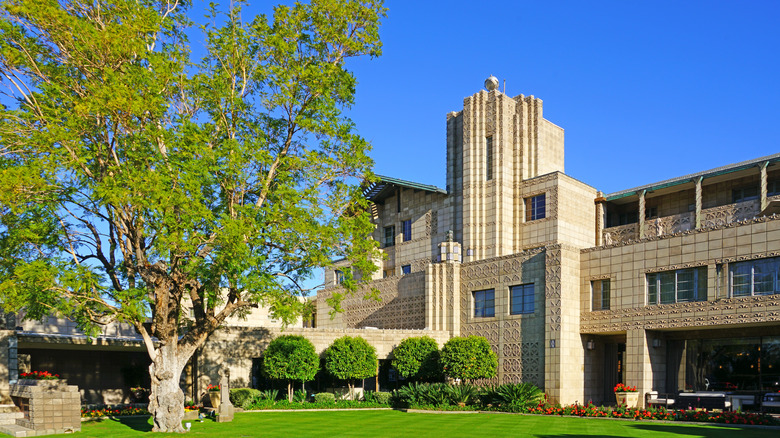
[
  {"x": 701, "y": 284},
  {"x": 605, "y": 294},
  {"x": 652, "y": 289},
  {"x": 528, "y": 298},
  {"x": 667, "y": 287},
  {"x": 763, "y": 277},
  {"x": 685, "y": 285},
  {"x": 740, "y": 279}
]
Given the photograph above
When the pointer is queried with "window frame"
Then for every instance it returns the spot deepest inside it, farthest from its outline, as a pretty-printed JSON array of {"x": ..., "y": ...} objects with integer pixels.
[
  {"x": 406, "y": 269},
  {"x": 661, "y": 281},
  {"x": 527, "y": 299},
  {"x": 406, "y": 227},
  {"x": 481, "y": 297},
  {"x": 773, "y": 263},
  {"x": 338, "y": 276},
  {"x": 389, "y": 240},
  {"x": 536, "y": 207},
  {"x": 604, "y": 296}
]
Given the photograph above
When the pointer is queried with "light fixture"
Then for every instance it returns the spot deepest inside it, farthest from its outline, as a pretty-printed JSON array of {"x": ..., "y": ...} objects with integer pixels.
[
  {"x": 591, "y": 345},
  {"x": 656, "y": 343},
  {"x": 552, "y": 343}
]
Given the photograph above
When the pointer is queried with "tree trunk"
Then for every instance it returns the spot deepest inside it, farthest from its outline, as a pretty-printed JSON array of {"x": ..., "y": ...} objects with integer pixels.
[
  {"x": 166, "y": 401},
  {"x": 289, "y": 391}
]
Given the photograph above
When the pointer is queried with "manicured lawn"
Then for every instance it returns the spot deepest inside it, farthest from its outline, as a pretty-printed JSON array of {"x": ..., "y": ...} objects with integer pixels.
[{"x": 399, "y": 424}]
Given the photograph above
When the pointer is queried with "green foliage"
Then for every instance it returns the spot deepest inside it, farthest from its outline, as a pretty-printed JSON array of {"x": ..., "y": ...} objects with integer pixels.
[
  {"x": 325, "y": 397},
  {"x": 513, "y": 397},
  {"x": 350, "y": 358},
  {"x": 417, "y": 358},
  {"x": 436, "y": 394},
  {"x": 468, "y": 358},
  {"x": 291, "y": 357},
  {"x": 299, "y": 396},
  {"x": 269, "y": 394},
  {"x": 380, "y": 397},
  {"x": 243, "y": 397}
]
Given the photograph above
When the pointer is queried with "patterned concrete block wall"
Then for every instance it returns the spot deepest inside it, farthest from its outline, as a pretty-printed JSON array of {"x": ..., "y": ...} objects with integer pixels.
[
  {"x": 7, "y": 356},
  {"x": 517, "y": 340},
  {"x": 401, "y": 305}
]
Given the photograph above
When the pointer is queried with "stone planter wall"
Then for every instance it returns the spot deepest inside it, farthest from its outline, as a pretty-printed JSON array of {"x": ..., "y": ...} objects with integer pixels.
[{"x": 52, "y": 406}]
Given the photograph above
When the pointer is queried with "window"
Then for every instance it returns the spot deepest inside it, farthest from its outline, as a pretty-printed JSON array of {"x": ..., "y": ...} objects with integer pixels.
[
  {"x": 773, "y": 188},
  {"x": 406, "y": 269},
  {"x": 755, "y": 277},
  {"x": 488, "y": 158},
  {"x": 744, "y": 194},
  {"x": 389, "y": 236},
  {"x": 535, "y": 207},
  {"x": 521, "y": 299},
  {"x": 600, "y": 291},
  {"x": 407, "y": 227},
  {"x": 387, "y": 273},
  {"x": 339, "y": 277},
  {"x": 484, "y": 303},
  {"x": 651, "y": 212},
  {"x": 677, "y": 286}
]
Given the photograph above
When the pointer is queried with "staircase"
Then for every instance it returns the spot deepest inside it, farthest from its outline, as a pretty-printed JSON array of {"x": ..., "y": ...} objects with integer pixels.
[{"x": 8, "y": 416}]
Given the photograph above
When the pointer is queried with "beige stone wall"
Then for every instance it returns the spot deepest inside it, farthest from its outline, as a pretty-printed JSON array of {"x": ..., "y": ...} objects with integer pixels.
[
  {"x": 236, "y": 347},
  {"x": 442, "y": 297},
  {"x": 400, "y": 305},
  {"x": 7, "y": 368},
  {"x": 517, "y": 340}
]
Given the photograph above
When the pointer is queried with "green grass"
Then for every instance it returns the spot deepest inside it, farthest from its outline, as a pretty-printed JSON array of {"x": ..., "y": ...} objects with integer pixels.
[{"x": 399, "y": 424}]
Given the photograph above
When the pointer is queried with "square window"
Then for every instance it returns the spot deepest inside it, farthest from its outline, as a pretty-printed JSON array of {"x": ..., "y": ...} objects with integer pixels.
[
  {"x": 406, "y": 269},
  {"x": 521, "y": 299},
  {"x": 535, "y": 207},
  {"x": 389, "y": 236},
  {"x": 407, "y": 227},
  {"x": 484, "y": 303},
  {"x": 600, "y": 291}
]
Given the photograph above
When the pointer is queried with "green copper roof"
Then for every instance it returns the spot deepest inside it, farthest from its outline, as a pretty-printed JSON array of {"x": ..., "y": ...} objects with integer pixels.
[
  {"x": 384, "y": 188},
  {"x": 692, "y": 177}
]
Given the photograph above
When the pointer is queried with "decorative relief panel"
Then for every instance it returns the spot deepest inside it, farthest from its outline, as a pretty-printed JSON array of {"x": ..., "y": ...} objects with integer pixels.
[
  {"x": 725, "y": 214},
  {"x": 670, "y": 224},
  {"x": 521, "y": 361},
  {"x": 744, "y": 310},
  {"x": 750, "y": 257},
  {"x": 623, "y": 242},
  {"x": 679, "y": 266},
  {"x": 402, "y": 304},
  {"x": 620, "y": 234},
  {"x": 552, "y": 277}
]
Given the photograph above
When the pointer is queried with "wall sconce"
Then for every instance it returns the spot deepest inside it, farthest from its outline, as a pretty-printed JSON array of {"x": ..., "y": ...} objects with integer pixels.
[
  {"x": 469, "y": 252},
  {"x": 552, "y": 343},
  {"x": 656, "y": 343},
  {"x": 591, "y": 345}
]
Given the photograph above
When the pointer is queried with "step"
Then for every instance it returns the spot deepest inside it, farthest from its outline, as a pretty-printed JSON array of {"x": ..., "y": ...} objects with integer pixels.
[
  {"x": 10, "y": 417},
  {"x": 8, "y": 408},
  {"x": 16, "y": 431}
]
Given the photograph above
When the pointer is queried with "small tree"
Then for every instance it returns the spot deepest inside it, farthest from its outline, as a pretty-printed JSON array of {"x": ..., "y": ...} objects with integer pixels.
[
  {"x": 291, "y": 358},
  {"x": 468, "y": 358},
  {"x": 349, "y": 359},
  {"x": 417, "y": 358}
]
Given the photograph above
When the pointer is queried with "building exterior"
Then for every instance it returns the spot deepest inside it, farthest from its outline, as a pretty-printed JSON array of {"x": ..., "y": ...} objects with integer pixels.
[{"x": 672, "y": 286}]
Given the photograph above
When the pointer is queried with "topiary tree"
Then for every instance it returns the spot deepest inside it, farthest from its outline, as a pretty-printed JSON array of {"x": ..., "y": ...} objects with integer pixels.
[
  {"x": 468, "y": 358},
  {"x": 349, "y": 359},
  {"x": 290, "y": 358},
  {"x": 417, "y": 358}
]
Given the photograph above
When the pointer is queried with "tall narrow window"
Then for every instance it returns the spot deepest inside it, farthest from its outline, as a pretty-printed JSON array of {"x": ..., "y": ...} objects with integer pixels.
[
  {"x": 489, "y": 158},
  {"x": 600, "y": 290},
  {"x": 407, "y": 230},
  {"x": 390, "y": 235},
  {"x": 535, "y": 208},
  {"x": 521, "y": 299},
  {"x": 339, "y": 277},
  {"x": 484, "y": 303}
]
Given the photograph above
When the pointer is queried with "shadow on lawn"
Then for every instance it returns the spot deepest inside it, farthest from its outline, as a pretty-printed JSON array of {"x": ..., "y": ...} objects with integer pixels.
[
  {"x": 141, "y": 423},
  {"x": 717, "y": 432}
]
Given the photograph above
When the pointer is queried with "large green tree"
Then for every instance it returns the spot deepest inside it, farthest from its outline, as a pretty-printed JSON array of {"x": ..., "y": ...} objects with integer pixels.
[
  {"x": 291, "y": 357},
  {"x": 137, "y": 182},
  {"x": 351, "y": 358},
  {"x": 417, "y": 358}
]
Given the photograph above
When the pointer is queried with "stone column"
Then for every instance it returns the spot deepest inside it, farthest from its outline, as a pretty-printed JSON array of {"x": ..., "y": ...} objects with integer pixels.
[
  {"x": 698, "y": 201},
  {"x": 601, "y": 217},
  {"x": 639, "y": 370},
  {"x": 642, "y": 213},
  {"x": 762, "y": 166}
]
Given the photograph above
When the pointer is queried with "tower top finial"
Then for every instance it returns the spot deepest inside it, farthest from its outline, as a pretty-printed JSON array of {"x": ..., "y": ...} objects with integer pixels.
[{"x": 491, "y": 83}]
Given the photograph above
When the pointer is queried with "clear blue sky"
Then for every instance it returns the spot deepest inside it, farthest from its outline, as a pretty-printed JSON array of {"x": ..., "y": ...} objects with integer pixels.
[{"x": 645, "y": 91}]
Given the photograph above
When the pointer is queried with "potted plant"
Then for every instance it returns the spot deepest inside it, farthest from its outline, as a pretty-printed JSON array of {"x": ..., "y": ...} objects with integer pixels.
[
  {"x": 626, "y": 395},
  {"x": 40, "y": 378},
  {"x": 214, "y": 395}
]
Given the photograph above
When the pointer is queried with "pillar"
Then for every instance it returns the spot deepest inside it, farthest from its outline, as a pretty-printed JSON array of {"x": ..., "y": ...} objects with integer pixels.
[
  {"x": 642, "y": 213},
  {"x": 762, "y": 166},
  {"x": 639, "y": 371},
  {"x": 698, "y": 201}
]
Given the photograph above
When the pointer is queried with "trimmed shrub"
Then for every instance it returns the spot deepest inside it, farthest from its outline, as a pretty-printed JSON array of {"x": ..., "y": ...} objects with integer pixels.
[
  {"x": 324, "y": 397},
  {"x": 468, "y": 358},
  {"x": 243, "y": 397},
  {"x": 417, "y": 358},
  {"x": 291, "y": 357},
  {"x": 382, "y": 397},
  {"x": 349, "y": 359}
]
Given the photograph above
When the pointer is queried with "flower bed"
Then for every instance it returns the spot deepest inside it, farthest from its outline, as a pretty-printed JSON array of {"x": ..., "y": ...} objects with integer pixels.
[
  {"x": 39, "y": 375},
  {"x": 113, "y": 411},
  {"x": 590, "y": 410}
]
